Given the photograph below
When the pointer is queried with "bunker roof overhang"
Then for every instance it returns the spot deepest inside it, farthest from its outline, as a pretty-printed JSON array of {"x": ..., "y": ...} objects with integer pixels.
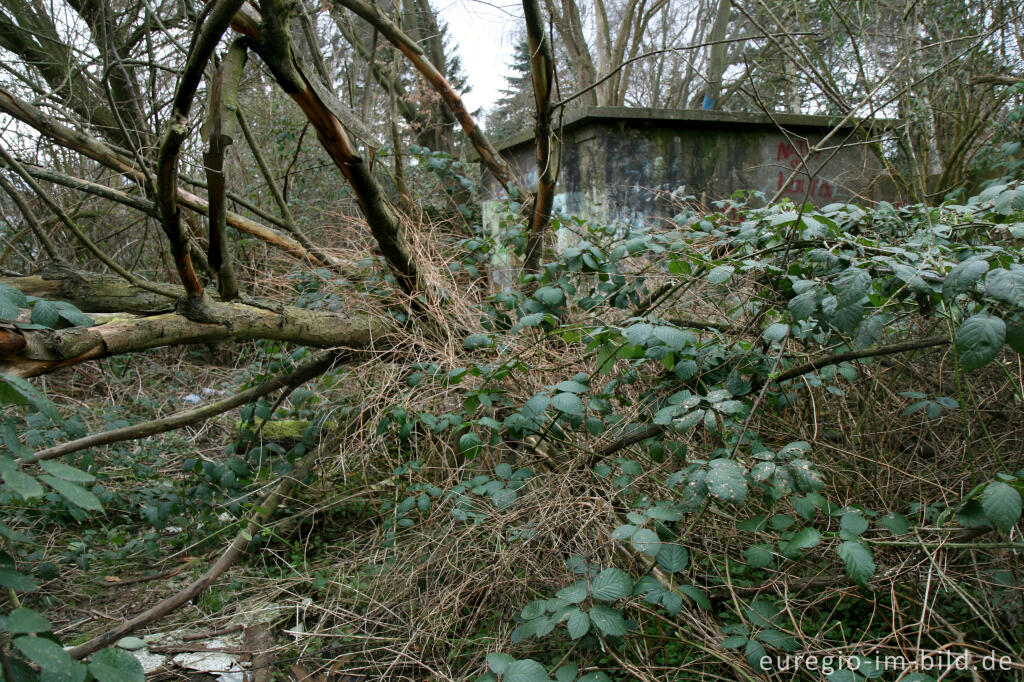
[{"x": 696, "y": 118}]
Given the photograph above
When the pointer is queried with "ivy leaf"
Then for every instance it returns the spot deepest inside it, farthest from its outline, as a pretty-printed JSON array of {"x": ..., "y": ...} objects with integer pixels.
[
  {"x": 608, "y": 620},
  {"x": 726, "y": 481},
  {"x": 611, "y": 584},
  {"x": 578, "y": 623},
  {"x": 1002, "y": 504},
  {"x": 568, "y": 403},
  {"x": 860, "y": 565},
  {"x": 673, "y": 558},
  {"x": 979, "y": 339}
]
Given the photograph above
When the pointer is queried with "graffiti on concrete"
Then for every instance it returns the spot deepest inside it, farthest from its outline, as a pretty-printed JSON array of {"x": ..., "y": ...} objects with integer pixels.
[{"x": 793, "y": 156}]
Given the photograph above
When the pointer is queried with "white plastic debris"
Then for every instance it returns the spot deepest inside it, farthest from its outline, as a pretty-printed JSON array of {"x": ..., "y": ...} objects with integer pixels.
[
  {"x": 192, "y": 398},
  {"x": 207, "y": 662}
]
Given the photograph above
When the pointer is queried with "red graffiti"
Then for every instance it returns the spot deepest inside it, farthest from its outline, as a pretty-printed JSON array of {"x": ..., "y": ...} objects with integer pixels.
[{"x": 792, "y": 155}]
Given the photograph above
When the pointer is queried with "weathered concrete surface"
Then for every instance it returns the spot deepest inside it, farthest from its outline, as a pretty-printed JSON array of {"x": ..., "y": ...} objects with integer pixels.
[{"x": 633, "y": 165}]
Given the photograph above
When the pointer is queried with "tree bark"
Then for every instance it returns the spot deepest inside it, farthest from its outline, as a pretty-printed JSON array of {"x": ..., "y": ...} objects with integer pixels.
[{"x": 31, "y": 352}]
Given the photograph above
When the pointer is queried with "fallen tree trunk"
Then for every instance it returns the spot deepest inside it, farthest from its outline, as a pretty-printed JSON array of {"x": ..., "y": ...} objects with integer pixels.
[
  {"x": 31, "y": 352},
  {"x": 92, "y": 292}
]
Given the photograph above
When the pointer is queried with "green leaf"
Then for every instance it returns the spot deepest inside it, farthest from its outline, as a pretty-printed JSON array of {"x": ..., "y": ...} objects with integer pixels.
[
  {"x": 726, "y": 481},
  {"x": 758, "y": 556},
  {"x": 720, "y": 274},
  {"x": 664, "y": 512},
  {"x": 962, "y": 277},
  {"x": 475, "y": 341},
  {"x": 568, "y": 403},
  {"x": 846, "y": 319},
  {"x": 754, "y": 652},
  {"x": 499, "y": 662},
  {"x": 734, "y": 642},
  {"x": 646, "y": 542},
  {"x": 860, "y": 565},
  {"x": 33, "y": 396},
  {"x": 17, "y": 480},
  {"x": 24, "y": 620},
  {"x": 45, "y": 653},
  {"x": 19, "y": 582},
  {"x": 608, "y": 620},
  {"x": 697, "y": 595},
  {"x": 45, "y": 313},
  {"x": 1002, "y": 504},
  {"x": 550, "y": 296},
  {"x": 611, "y": 584},
  {"x": 116, "y": 665},
  {"x": 673, "y": 558},
  {"x": 68, "y": 473},
  {"x": 1006, "y": 286},
  {"x": 578, "y": 623},
  {"x": 804, "y": 305},
  {"x": 574, "y": 593},
  {"x": 14, "y": 296},
  {"x": 979, "y": 339},
  {"x": 853, "y": 522},
  {"x": 803, "y": 539},
  {"x": 676, "y": 339},
  {"x": 10, "y": 301},
  {"x": 73, "y": 493},
  {"x": 470, "y": 445},
  {"x": 624, "y": 532},
  {"x": 1010, "y": 200},
  {"x": 895, "y": 524},
  {"x": 638, "y": 333},
  {"x": 72, "y": 315},
  {"x": 567, "y": 672},
  {"x": 1015, "y": 332},
  {"x": 851, "y": 286}
]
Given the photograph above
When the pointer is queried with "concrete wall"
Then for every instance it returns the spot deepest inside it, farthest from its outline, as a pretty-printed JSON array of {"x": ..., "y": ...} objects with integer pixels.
[{"x": 627, "y": 165}]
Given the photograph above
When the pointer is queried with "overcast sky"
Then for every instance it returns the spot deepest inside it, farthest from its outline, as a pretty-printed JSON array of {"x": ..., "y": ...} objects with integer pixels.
[{"x": 483, "y": 32}]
